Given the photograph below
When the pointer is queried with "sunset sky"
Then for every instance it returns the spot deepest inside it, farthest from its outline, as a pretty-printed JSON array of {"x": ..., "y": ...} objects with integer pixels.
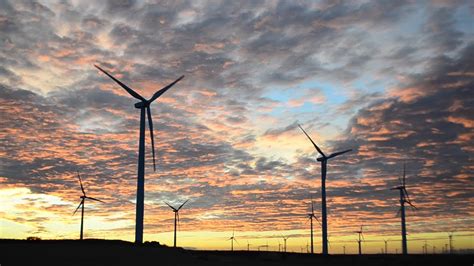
[{"x": 392, "y": 80}]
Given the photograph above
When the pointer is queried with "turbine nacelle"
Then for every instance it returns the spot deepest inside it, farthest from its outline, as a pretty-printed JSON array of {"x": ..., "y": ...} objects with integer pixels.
[{"x": 142, "y": 104}]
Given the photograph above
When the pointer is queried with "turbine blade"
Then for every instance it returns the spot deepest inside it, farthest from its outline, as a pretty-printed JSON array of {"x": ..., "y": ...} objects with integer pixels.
[
  {"x": 413, "y": 206},
  {"x": 169, "y": 205},
  {"x": 398, "y": 212},
  {"x": 95, "y": 199},
  {"x": 150, "y": 126},
  {"x": 312, "y": 207},
  {"x": 236, "y": 241},
  {"x": 129, "y": 90},
  {"x": 182, "y": 205},
  {"x": 406, "y": 193},
  {"x": 177, "y": 216},
  {"x": 338, "y": 153},
  {"x": 80, "y": 182},
  {"x": 314, "y": 144},
  {"x": 404, "y": 173},
  {"x": 319, "y": 222},
  {"x": 82, "y": 201},
  {"x": 160, "y": 92}
]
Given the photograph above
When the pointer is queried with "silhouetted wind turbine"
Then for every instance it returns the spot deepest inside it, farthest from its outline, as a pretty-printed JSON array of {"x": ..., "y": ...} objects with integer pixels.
[
  {"x": 324, "y": 159},
  {"x": 359, "y": 241},
  {"x": 144, "y": 106},
  {"x": 232, "y": 239},
  {"x": 450, "y": 235},
  {"x": 83, "y": 199},
  {"x": 404, "y": 198},
  {"x": 311, "y": 216},
  {"x": 284, "y": 241},
  {"x": 176, "y": 217}
]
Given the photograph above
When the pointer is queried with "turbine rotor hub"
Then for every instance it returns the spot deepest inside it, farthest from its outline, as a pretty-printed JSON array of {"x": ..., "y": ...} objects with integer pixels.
[{"x": 142, "y": 104}]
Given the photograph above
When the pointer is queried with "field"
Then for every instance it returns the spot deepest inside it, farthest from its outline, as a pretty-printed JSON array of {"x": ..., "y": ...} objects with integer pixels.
[{"x": 109, "y": 252}]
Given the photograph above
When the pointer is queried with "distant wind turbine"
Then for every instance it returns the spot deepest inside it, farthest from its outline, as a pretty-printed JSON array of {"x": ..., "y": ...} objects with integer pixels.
[
  {"x": 144, "y": 106},
  {"x": 83, "y": 199},
  {"x": 285, "y": 238},
  {"x": 311, "y": 217},
  {"x": 404, "y": 198},
  {"x": 176, "y": 217},
  {"x": 232, "y": 239},
  {"x": 324, "y": 159},
  {"x": 361, "y": 238}
]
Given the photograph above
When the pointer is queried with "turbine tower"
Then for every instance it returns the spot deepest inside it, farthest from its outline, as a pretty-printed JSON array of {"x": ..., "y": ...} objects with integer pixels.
[
  {"x": 404, "y": 198},
  {"x": 324, "y": 159},
  {"x": 359, "y": 241},
  {"x": 144, "y": 106},
  {"x": 176, "y": 217},
  {"x": 83, "y": 199},
  {"x": 311, "y": 217}
]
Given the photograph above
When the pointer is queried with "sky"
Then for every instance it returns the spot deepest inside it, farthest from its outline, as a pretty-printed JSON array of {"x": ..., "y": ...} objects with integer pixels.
[{"x": 392, "y": 80}]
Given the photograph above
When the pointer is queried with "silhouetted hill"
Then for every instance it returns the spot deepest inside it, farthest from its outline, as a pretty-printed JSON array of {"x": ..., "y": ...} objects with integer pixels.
[{"x": 116, "y": 252}]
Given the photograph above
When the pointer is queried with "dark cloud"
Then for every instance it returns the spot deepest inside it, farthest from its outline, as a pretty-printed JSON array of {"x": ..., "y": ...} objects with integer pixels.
[
  {"x": 441, "y": 30},
  {"x": 430, "y": 129},
  {"x": 279, "y": 131}
]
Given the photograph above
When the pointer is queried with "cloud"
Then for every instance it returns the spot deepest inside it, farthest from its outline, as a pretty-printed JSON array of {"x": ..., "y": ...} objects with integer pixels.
[
  {"x": 423, "y": 133},
  {"x": 278, "y": 131},
  {"x": 402, "y": 69}
]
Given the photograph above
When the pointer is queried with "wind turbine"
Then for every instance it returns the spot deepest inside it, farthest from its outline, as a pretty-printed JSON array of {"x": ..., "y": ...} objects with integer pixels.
[
  {"x": 361, "y": 238},
  {"x": 284, "y": 240},
  {"x": 404, "y": 198},
  {"x": 83, "y": 199},
  {"x": 144, "y": 106},
  {"x": 311, "y": 216},
  {"x": 450, "y": 235},
  {"x": 232, "y": 239},
  {"x": 324, "y": 159},
  {"x": 176, "y": 217}
]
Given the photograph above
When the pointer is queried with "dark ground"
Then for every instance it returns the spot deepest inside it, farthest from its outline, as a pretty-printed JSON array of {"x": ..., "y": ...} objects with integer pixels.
[{"x": 111, "y": 252}]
